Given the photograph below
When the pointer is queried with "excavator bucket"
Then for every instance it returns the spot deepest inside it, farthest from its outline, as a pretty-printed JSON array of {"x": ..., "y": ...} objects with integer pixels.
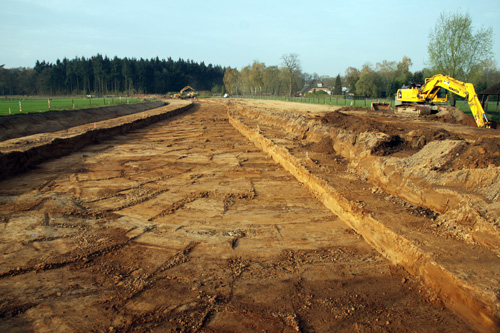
[{"x": 381, "y": 106}]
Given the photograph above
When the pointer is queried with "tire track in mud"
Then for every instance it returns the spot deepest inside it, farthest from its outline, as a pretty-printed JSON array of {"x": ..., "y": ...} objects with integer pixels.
[
  {"x": 83, "y": 255},
  {"x": 228, "y": 199},
  {"x": 148, "y": 282},
  {"x": 200, "y": 310},
  {"x": 136, "y": 199}
]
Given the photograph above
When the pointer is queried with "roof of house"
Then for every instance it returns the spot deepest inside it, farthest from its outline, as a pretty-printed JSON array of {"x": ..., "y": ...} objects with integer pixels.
[
  {"x": 493, "y": 90},
  {"x": 312, "y": 84}
]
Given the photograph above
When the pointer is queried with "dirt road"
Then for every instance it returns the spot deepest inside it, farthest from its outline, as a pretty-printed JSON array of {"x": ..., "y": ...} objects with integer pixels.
[{"x": 187, "y": 226}]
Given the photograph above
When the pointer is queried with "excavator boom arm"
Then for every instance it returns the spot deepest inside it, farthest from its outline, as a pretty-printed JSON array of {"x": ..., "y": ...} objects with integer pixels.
[
  {"x": 462, "y": 89},
  {"x": 428, "y": 92}
]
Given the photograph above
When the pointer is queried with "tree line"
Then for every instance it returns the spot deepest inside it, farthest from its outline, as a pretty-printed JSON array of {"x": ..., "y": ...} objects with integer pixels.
[
  {"x": 380, "y": 80},
  {"x": 101, "y": 75},
  {"x": 454, "y": 49},
  {"x": 288, "y": 79},
  {"x": 258, "y": 79}
]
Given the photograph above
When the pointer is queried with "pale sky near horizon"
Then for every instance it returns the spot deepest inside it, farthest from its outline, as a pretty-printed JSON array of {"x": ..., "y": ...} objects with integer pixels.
[{"x": 328, "y": 36}]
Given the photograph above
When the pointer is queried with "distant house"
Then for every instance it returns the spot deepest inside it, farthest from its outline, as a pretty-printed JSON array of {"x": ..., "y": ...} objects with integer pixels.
[{"x": 312, "y": 86}]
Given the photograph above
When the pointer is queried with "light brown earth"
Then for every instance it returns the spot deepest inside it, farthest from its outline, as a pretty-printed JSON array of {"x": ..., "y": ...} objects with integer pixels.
[{"x": 188, "y": 225}]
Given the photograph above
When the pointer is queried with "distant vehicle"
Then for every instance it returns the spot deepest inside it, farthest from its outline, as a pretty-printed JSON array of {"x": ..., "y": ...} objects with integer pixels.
[
  {"x": 226, "y": 95},
  {"x": 186, "y": 92}
]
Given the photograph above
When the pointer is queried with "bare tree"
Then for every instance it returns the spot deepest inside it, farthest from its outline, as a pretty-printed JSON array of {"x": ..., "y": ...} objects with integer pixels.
[{"x": 292, "y": 69}]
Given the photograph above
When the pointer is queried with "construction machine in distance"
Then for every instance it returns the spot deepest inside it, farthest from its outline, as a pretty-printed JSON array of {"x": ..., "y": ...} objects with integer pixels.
[
  {"x": 420, "y": 100},
  {"x": 186, "y": 92}
]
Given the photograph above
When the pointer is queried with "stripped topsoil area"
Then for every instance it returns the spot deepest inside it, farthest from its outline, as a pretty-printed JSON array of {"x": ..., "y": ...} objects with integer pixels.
[
  {"x": 433, "y": 183},
  {"x": 185, "y": 226},
  {"x": 402, "y": 155}
]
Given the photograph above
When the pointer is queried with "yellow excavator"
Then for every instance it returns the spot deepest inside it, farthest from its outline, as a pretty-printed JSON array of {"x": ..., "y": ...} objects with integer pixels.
[
  {"x": 420, "y": 99},
  {"x": 183, "y": 94}
]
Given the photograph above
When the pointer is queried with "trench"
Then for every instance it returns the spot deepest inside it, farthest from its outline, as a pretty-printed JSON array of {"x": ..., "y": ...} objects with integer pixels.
[
  {"x": 191, "y": 173},
  {"x": 480, "y": 307}
]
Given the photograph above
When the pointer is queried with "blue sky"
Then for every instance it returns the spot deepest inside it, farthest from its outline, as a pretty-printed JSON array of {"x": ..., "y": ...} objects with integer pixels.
[{"x": 328, "y": 36}]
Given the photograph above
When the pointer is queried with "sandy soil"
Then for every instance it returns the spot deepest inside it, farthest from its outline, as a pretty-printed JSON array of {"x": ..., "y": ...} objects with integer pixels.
[
  {"x": 424, "y": 193},
  {"x": 186, "y": 226}
]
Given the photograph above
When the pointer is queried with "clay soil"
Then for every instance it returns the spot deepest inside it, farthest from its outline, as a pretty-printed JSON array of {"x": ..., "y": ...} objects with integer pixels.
[{"x": 185, "y": 225}]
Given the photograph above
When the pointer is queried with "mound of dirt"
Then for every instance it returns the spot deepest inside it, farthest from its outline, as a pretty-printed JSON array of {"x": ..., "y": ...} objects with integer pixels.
[
  {"x": 419, "y": 137},
  {"x": 324, "y": 146},
  {"x": 354, "y": 108},
  {"x": 453, "y": 115},
  {"x": 358, "y": 124},
  {"x": 398, "y": 139},
  {"x": 480, "y": 154}
]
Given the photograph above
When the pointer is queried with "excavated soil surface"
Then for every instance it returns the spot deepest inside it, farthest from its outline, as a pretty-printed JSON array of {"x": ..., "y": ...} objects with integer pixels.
[
  {"x": 407, "y": 138},
  {"x": 185, "y": 225},
  {"x": 432, "y": 186}
]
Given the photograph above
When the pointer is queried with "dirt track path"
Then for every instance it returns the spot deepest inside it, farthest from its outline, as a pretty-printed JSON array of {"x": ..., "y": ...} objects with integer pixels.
[{"x": 186, "y": 226}]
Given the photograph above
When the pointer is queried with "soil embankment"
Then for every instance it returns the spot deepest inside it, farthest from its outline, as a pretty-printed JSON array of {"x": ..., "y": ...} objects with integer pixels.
[
  {"x": 20, "y": 125},
  {"x": 19, "y": 155}
]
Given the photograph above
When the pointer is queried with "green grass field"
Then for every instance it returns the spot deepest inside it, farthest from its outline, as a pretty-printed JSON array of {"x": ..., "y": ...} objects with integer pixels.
[{"x": 31, "y": 105}]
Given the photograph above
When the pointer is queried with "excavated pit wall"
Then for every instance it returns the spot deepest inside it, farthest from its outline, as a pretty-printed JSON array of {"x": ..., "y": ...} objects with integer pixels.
[
  {"x": 19, "y": 125},
  {"x": 481, "y": 308},
  {"x": 476, "y": 210},
  {"x": 14, "y": 162}
]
